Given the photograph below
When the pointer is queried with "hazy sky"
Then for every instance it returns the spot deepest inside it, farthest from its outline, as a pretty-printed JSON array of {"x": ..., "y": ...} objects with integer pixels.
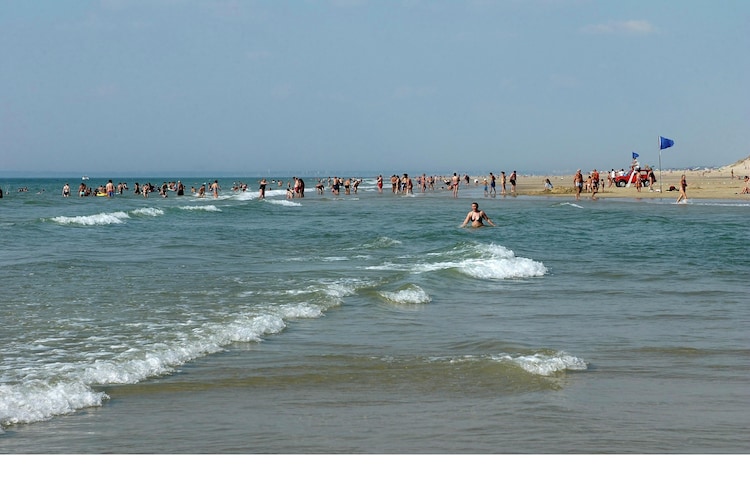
[{"x": 338, "y": 87}]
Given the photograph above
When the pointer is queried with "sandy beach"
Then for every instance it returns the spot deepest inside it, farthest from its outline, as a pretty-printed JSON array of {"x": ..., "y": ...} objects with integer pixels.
[{"x": 721, "y": 183}]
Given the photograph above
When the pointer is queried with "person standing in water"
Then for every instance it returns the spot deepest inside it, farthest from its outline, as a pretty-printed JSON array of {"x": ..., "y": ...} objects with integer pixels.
[
  {"x": 683, "y": 189},
  {"x": 408, "y": 184},
  {"x": 476, "y": 216}
]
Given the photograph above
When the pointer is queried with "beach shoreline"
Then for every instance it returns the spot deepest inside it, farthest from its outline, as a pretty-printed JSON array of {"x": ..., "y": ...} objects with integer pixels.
[{"x": 725, "y": 183}]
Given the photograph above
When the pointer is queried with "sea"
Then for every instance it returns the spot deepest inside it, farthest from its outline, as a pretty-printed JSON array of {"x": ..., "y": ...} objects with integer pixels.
[{"x": 370, "y": 323}]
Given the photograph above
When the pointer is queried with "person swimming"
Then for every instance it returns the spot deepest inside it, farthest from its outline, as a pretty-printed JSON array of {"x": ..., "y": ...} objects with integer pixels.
[{"x": 476, "y": 217}]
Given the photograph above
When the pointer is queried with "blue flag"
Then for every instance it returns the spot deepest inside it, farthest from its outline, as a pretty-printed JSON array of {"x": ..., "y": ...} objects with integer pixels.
[
  {"x": 665, "y": 143},
  {"x": 635, "y": 155}
]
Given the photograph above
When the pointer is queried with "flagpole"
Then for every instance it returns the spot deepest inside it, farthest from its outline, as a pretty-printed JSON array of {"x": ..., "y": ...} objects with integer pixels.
[
  {"x": 664, "y": 143},
  {"x": 660, "y": 186}
]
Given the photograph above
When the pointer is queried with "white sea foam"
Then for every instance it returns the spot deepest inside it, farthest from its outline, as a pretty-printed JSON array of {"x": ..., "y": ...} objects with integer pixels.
[
  {"x": 339, "y": 290},
  {"x": 107, "y": 218},
  {"x": 101, "y": 219},
  {"x": 251, "y": 328},
  {"x": 254, "y": 194},
  {"x": 285, "y": 203},
  {"x": 300, "y": 311},
  {"x": 205, "y": 208},
  {"x": 545, "y": 364},
  {"x": 246, "y": 195},
  {"x": 411, "y": 294},
  {"x": 150, "y": 211},
  {"x": 515, "y": 267},
  {"x": 33, "y": 401},
  {"x": 478, "y": 260},
  {"x": 497, "y": 262}
]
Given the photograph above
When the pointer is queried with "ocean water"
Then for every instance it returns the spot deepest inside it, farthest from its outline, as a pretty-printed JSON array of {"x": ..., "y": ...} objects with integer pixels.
[{"x": 370, "y": 323}]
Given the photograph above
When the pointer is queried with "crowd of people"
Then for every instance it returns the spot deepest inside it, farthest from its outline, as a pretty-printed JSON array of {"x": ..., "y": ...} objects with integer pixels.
[
  {"x": 110, "y": 189},
  {"x": 400, "y": 184},
  {"x": 492, "y": 184},
  {"x": 405, "y": 184},
  {"x": 590, "y": 185}
]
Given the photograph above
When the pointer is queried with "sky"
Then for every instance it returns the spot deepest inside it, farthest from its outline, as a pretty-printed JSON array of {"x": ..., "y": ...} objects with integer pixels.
[{"x": 361, "y": 87}]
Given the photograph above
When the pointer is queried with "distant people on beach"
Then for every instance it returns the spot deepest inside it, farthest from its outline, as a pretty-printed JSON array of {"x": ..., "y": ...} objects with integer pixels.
[
  {"x": 401, "y": 184},
  {"x": 683, "y": 189},
  {"x": 476, "y": 216},
  {"x": 594, "y": 184}
]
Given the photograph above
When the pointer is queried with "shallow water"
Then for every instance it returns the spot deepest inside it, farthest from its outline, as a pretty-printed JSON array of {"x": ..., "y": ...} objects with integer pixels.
[{"x": 371, "y": 324}]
